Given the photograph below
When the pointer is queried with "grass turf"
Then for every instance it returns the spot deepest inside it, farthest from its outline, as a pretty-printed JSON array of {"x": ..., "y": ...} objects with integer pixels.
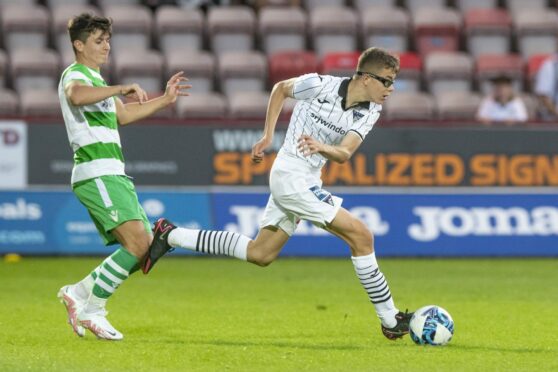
[{"x": 298, "y": 314}]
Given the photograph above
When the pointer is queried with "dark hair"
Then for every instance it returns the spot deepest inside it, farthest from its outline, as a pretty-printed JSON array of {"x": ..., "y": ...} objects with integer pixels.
[
  {"x": 374, "y": 59},
  {"x": 83, "y": 25}
]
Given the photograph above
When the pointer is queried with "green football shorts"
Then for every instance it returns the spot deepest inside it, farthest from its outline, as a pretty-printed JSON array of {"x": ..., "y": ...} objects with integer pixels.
[{"x": 110, "y": 201}]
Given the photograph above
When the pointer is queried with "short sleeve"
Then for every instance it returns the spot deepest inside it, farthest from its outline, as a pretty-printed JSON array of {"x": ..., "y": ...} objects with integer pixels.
[
  {"x": 544, "y": 84},
  {"x": 76, "y": 75},
  {"x": 366, "y": 126},
  {"x": 307, "y": 86}
]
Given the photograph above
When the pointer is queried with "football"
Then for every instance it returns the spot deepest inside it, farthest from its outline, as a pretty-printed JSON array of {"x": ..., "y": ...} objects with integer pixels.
[{"x": 431, "y": 325}]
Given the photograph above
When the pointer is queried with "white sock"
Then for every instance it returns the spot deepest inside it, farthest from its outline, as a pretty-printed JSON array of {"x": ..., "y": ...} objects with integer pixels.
[
  {"x": 375, "y": 285},
  {"x": 95, "y": 303},
  {"x": 211, "y": 242},
  {"x": 83, "y": 288}
]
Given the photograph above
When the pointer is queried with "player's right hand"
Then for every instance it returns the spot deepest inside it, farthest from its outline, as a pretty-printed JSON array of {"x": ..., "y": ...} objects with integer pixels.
[
  {"x": 134, "y": 91},
  {"x": 259, "y": 148}
]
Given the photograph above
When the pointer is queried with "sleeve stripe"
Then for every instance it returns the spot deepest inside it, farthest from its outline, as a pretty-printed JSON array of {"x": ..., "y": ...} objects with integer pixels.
[
  {"x": 304, "y": 90},
  {"x": 354, "y": 131}
]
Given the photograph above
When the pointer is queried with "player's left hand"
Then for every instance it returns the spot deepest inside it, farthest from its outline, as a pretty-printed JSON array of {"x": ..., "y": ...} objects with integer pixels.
[
  {"x": 308, "y": 145},
  {"x": 175, "y": 88}
]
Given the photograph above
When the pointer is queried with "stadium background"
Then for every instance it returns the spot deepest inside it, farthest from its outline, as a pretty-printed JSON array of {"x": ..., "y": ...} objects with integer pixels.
[{"x": 429, "y": 180}]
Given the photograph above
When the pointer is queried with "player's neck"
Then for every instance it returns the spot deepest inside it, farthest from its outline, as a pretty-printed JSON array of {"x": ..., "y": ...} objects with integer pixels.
[
  {"x": 87, "y": 62},
  {"x": 355, "y": 94}
]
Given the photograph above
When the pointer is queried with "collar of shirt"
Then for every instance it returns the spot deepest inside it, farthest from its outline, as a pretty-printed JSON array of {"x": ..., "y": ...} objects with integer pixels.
[{"x": 343, "y": 90}]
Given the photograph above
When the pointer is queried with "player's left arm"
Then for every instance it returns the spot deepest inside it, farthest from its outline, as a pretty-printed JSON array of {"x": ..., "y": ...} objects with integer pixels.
[
  {"x": 131, "y": 112},
  {"x": 338, "y": 153}
]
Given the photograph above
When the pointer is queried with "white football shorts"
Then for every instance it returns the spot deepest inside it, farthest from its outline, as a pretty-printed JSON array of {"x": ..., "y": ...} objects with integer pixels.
[{"x": 296, "y": 193}]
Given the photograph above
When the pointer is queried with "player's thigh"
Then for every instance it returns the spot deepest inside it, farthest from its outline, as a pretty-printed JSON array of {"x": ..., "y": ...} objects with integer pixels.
[
  {"x": 111, "y": 201},
  {"x": 353, "y": 231},
  {"x": 132, "y": 235}
]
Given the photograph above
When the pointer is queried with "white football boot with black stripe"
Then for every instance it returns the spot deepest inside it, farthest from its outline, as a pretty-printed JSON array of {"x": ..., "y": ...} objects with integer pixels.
[{"x": 98, "y": 323}]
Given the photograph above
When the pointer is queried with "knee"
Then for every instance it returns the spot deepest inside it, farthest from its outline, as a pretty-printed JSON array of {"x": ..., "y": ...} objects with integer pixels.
[{"x": 364, "y": 241}]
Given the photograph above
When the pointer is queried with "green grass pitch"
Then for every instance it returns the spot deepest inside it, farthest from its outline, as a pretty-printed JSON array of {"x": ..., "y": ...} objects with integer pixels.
[{"x": 196, "y": 314}]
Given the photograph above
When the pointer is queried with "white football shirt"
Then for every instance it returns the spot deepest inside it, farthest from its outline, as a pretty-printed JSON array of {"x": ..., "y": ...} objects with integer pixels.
[{"x": 320, "y": 113}]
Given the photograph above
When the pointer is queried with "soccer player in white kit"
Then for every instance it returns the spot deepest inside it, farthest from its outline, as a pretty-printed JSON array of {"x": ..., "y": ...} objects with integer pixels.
[{"x": 331, "y": 119}]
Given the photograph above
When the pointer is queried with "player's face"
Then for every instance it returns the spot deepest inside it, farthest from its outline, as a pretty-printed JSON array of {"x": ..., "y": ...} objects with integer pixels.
[
  {"x": 97, "y": 47},
  {"x": 379, "y": 84}
]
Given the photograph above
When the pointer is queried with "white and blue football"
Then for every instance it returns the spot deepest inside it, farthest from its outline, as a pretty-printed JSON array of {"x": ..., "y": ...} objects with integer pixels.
[{"x": 431, "y": 325}]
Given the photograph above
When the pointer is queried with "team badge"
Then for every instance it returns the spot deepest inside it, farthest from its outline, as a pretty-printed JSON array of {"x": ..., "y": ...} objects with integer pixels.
[{"x": 357, "y": 116}]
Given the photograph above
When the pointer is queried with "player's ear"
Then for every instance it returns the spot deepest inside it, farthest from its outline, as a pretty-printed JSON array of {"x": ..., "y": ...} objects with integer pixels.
[{"x": 79, "y": 45}]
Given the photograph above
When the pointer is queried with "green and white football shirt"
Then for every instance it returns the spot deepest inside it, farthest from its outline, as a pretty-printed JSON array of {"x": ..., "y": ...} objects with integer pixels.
[{"x": 92, "y": 129}]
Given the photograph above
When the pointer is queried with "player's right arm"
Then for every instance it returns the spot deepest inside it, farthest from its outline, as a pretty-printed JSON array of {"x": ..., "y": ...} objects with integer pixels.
[
  {"x": 81, "y": 94},
  {"x": 281, "y": 91}
]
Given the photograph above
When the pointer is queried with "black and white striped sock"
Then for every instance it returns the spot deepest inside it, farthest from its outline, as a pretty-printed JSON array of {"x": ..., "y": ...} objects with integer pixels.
[
  {"x": 211, "y": 242},
  {"x": 376, "y": 287}
]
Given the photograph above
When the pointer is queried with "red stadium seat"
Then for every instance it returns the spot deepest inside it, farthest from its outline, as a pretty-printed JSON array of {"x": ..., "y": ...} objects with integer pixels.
[
  {"x": 387, "y": 28},
  {"x": 410, "y": 72},
  {"x": 282, "y": 29},
  {"x": 488, "y": 31},
  {"x": 536, "y": 31},
  {"x": 144, "y": 67},
  {"x": 205, "y": 105},
  {"x": 490, "y": 66},
  {"x": 436, "y": 29},
  {"x": 231, "y": 28},
  {"x": 198, "y": 67},
  {"x": 242, "y": 72},
  {"x": 340, "y": 64},
  {"x": 448, "y": 72},
  {"x": 533, "y": 65},
  {"x": 247, "y": 105},
  {"x": 24, "y": 26},
  {"x": 466, "y": 5},
  {"x": 363, "y": 5},
  {"x": 179, "y": 28},
  {"x": 60, "y": 16},
  {"x": 458, "y": 105},
  {"x": 333, "y": 29},
  {"x": 40, "y": 103},
  {"x": 410, "y": 106},
  {"x": 9, "y": 103},
  {"x": 132, "y": 25},
  {"x": 34, "y": 69},
  {"x": 287, "y": 65}
]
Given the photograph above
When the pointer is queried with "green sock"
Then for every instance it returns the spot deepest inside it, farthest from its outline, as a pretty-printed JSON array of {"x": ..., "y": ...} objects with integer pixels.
[{"x": 114, "y": 270}]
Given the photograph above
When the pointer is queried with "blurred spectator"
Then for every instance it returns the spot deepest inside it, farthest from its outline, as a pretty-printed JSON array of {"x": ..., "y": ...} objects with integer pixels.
[
  {"x": 503, "y": 105},
  {"x": 546, "y": 88}
]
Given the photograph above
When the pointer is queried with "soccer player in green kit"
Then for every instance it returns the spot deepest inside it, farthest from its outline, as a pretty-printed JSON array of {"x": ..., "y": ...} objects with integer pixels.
[{"x": 92, "y": 112}]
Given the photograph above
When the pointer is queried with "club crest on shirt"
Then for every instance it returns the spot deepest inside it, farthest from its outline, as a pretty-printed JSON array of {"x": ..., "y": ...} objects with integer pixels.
[
  {"x": 107, "y": 104},
  {"x": 357, "y": 116},
  {"x": 322, "y": 194}
]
